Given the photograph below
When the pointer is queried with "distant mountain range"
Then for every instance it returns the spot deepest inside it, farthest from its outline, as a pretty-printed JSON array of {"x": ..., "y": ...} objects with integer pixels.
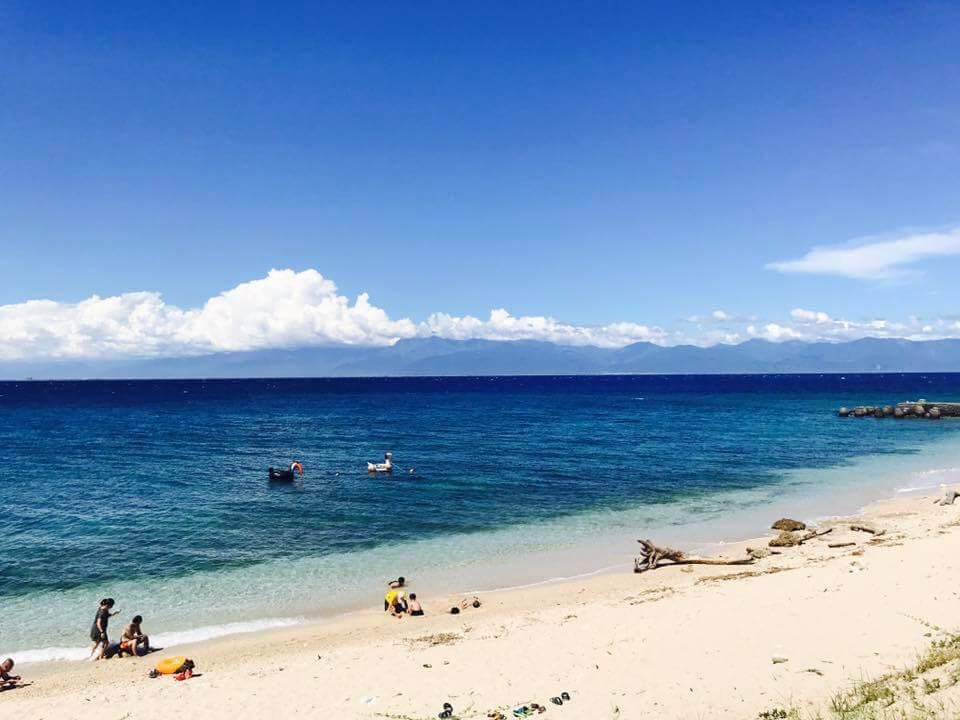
[{"x": 435, "y": 356}]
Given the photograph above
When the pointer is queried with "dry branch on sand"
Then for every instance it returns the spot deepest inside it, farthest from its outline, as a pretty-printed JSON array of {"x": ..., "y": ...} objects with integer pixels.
[
  {"x": 789, "y": 539},
  {"x": 867, "y": 529},
  {"x": 651, "y": 557}
]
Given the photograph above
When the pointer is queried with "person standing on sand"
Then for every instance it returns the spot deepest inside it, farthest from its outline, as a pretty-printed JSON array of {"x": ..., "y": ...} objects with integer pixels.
[
  {"x": 132, "y": 639},
  {"x": 98, "y": 632}
]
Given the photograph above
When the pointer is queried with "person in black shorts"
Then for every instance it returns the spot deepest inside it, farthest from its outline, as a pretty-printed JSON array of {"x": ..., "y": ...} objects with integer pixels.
[{"x": 98, "y": 631}]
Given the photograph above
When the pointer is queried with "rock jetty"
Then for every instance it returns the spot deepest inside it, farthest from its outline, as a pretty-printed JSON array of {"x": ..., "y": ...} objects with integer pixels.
[{"x": 910, "y": 409}]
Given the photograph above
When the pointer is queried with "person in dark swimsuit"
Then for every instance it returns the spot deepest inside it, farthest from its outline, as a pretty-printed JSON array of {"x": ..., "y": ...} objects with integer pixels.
[
  {"x": 414, "y": 608},
  {"x": 98, "y": 631}
]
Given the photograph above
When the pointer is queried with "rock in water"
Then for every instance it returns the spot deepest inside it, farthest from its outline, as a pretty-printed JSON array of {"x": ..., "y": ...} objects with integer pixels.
[
  {"x": 918, "y": 410},
  {"x": 934, "y": 413},
  {"x": 788, "y": 525},
  {"x": 843, "y": 412},
  {"x": 784, "y": 539},
  {"x": 888, "y": 409}
]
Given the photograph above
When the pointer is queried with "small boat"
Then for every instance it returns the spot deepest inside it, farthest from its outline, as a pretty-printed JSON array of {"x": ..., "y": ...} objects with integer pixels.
[
  {"x": 384, "y": 467},
  {"x": 286, "y": 475}
]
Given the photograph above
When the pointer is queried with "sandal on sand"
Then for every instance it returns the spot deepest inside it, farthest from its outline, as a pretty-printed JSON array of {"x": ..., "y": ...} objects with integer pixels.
[
  {"x": 447, "y": 711},
  {"x": 556, "y": 701},
  {"x": 537, "y": 707},
  {"x": 565, "y": 695},
  {"x": 523, "y": 711}
]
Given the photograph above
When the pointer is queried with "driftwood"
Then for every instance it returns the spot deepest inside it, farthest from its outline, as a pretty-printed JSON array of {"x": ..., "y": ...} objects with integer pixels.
[
  {"x": 651, "y": 557},
  {"x": 814, "y": 534},
  {"x": 840, "y": 545},
  {"x": 868, "y": 529},
  {"x": 948, "y": 498},
  {"x": 789, "y": 539}
]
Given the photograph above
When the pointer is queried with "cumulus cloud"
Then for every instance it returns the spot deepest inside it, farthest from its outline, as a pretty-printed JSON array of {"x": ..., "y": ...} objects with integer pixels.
[
  {"x": 880, "y": 259},
  {"x": 286, "y": 309},
  {"x": 501, "y": 325}
]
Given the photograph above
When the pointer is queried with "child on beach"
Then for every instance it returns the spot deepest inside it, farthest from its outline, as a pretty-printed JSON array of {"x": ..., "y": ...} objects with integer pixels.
[
  {"x": 6, "y": 679},
  {"x": 398, "y": 583},
  {"x": 98, "y": 632},
  {"x": 414, "y": 608},
  {"x": 132, "y": 639}
]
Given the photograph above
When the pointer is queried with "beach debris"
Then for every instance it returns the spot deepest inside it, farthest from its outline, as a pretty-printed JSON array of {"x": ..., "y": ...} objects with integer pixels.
[
  {"x": 841, "y": 544},
  {"x": 814, "y": 671},
  {"x": 779, "y": 659},
  {"x": 785, "y": 539},
  {"x": 762, "y": 552},
  {"x": 948, "y": 498},
  {"x": 788, "y": 524},
  {"x": 790, "y": 539},
  {"x": 864, "y": 527},
  {"x": 447, "y": 711},
  {"x": 651, "y": 557}
]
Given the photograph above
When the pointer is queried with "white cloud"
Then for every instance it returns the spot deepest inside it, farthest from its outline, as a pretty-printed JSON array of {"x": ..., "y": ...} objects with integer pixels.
[
  {"x": 503, "y": 326},
  {"x": 288, "y": 309},
  {"x": 880, "y": 259},
  {"x": 285, "y": 309}
]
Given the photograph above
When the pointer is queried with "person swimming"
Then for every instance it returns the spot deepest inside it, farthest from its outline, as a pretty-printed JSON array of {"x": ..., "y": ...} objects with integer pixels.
[
  {"x": 132, "y": 639},
  {"x": 398, "y": 583},
  {"x": 98, "y": 632},
  {"x": 414, "y": 608}
]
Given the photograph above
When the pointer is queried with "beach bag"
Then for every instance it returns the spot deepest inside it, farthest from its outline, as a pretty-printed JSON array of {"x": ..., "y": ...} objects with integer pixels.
[{"x": 174, "y": 665}]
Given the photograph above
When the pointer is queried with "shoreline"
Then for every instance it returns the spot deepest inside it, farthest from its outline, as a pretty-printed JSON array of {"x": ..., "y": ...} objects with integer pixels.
[
  {"x": 255, "y": 626},
  {"x": 651, "y": 615}
]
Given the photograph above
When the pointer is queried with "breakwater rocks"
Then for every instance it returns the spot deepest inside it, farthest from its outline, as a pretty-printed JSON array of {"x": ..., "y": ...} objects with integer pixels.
[{"x": 911, "y": 409}]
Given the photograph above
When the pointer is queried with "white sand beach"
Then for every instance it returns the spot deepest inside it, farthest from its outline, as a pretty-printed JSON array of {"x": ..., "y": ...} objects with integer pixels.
[{"x": 793, "y": 632}]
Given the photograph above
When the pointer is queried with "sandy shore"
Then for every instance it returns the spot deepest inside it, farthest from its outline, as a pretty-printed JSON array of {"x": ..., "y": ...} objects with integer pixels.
[{"x": 681, "y": 642}]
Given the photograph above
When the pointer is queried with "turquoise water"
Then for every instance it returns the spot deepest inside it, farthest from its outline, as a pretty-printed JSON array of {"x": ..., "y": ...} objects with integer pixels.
[{"x": 155, "y": 493}]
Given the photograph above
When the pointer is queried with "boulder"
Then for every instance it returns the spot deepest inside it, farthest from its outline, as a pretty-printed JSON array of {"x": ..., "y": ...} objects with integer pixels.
[
  {"x": 918, "y": 410},
  {"x": 878, "y": 413},
  {"x": 897, "y": 412},
  {"x": 843, "y": 412},
  {"x": 888, "y": 410},
  {"x": 789, "y": 525},
  {"x": 934, "y": 413},
  {"x": 784, "y": 539}
]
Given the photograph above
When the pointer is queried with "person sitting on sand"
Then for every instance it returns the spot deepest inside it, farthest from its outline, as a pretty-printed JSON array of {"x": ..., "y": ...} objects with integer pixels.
[
  {"x": 398, "y": 583},
  {"x": 132, "y": 639},
  {"x": 414, "y": 608},
  {"x": 395, "y": 604},
  {"x": 6, "y": 679},
  {"x": 464, "y": 604},
  {"x": 98, "y": 632}
]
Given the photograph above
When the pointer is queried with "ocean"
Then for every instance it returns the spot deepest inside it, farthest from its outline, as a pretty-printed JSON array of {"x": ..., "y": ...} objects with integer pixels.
[{"x": 156, "y": 493}]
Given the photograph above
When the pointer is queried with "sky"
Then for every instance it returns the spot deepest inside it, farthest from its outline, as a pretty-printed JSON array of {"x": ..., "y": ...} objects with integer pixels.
[{"x": 194, "y": 177}]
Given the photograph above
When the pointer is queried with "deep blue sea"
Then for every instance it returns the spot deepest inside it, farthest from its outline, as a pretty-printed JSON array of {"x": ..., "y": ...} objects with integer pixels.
[{"x": 156, "y": 492}]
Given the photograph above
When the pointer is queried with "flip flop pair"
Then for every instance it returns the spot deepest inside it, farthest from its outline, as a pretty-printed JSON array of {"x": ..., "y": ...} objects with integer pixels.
[
  {"x": 559, "y": 700},
  {"x": 447, "y": 711}
]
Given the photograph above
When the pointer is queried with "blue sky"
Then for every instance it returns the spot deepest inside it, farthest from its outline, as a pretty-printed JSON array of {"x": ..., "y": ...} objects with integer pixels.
[{"x": 590, "y": 162}]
